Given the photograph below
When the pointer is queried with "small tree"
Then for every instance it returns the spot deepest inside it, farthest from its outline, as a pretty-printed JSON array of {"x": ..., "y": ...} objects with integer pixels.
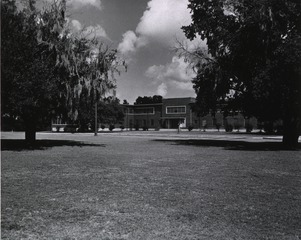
[{"x": 110, "y": 111}]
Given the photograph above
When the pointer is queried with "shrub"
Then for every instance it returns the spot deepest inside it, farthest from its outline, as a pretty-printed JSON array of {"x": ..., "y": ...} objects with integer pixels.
[
  {"x": 237, "y": 126},
  {"x": 111, "y": 127},
  {"x": 136, "y": 127},
  {"x": 122, "y": 127},
  {"x": 260, "y": 126},
  {"x": 190, "y": 128},
  {"x": 268, "y": 127},
  {"x": 249, "y": 127},
  {"x": 70, "y": 128},
  {"x": 145, "y": 128},
  {"x": 229, "y": 128},
  {"x": 279, "y": 129},
  {"x": 218, "y": 126},
  {"x": 102, "y": 126}
]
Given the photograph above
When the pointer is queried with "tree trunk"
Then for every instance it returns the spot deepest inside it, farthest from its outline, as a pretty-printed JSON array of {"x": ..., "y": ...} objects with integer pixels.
[
  {"x": 30, "y": 132},
  {"x": 291, "y": 132}
]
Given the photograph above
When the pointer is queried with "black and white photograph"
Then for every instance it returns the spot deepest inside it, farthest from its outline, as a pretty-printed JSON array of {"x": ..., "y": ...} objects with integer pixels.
[{"x": 151, "y": 119}]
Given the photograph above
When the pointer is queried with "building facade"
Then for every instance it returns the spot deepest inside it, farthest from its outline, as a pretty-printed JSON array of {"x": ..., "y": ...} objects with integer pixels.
[{"x": 173, "y": 113}]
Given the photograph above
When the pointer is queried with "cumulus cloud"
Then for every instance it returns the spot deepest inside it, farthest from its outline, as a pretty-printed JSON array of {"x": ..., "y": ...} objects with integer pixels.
[
  {"x": 163, "y": 19},
  {"x": 156, "y": 72},
  {"x": 77, "y": 4},
  {"x": 162, "y": 90},
  {"x": 176, "y": 73},
  {"x": 131, "y": 43},
  {"x": 183, "y": 85},
  {"x": 161, "y": 24}
]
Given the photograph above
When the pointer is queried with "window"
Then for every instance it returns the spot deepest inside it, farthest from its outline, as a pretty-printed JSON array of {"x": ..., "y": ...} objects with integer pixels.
[
  {"x": 176, "y": 110},
  {"x": 142, "y": 111}
]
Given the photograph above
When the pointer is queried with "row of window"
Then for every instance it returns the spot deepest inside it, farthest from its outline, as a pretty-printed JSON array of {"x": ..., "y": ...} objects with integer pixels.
[
  {"x": 143, "y": 122},
  {"x": 141, "y": 111},
  {"x": 176, "y": 110},
  {"x": 151, "y": 110}
]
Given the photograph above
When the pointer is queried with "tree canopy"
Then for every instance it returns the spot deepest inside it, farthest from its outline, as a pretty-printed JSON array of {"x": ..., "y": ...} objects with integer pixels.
[
  {"x": 109, "y": 111},
  {"x": 29, "y": 84},
  {"x": 46, "y": 67},
  {"x": 253, "y": 63},
  {"x": 149, "y": 100}
]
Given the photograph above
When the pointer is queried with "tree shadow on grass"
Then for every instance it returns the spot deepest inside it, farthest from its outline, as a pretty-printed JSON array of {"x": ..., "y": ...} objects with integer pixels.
[
  {"x": 21, "y": 145},
  {"x": 235, "y": 145}
]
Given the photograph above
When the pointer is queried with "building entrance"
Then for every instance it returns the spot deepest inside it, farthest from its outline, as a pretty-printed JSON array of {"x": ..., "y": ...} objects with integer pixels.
[{"x": 173, "y": 123}]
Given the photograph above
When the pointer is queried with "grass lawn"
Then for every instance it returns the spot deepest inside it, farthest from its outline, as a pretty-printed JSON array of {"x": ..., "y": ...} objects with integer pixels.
[{"x": 115, "y": 186}]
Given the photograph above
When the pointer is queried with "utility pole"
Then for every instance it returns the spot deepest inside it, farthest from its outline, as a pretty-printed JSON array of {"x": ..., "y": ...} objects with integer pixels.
[{"x": 96, "y": 123}]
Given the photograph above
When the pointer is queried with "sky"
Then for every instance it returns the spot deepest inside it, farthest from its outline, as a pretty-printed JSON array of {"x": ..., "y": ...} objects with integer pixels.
[{"x": 144, "y": 32}]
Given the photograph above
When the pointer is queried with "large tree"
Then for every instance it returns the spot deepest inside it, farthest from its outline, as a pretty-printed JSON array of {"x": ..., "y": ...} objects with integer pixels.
[
  {"x": 253, "y": 63},
  {"x": 45, "y": 67},
  {"x": 29, "y": 84}
]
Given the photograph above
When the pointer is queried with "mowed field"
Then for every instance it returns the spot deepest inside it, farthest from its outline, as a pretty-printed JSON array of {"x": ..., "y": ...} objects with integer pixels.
[{"x": 149, "y": 186}]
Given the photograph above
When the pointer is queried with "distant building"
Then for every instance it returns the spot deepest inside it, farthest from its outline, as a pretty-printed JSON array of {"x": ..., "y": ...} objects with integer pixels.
[{"x": 173, "y": 112}]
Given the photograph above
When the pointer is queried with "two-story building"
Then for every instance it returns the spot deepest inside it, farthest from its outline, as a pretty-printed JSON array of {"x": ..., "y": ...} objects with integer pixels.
[
  {"x": 169, "y": 114},
  {"x": 177, "y": 111},
  {"x": 173, "y": 112}
]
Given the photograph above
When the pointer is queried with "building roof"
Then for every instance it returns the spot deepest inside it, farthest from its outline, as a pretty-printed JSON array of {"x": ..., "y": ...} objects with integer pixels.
[{"x": 186, "y": 99}]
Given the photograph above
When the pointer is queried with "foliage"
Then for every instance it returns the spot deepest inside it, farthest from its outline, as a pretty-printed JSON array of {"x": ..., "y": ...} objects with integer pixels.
[
  {"x": 70, "y": 128},
  {"x": 149, "y": 100},
  {"x": 253, "y": 62},
  {"x": 190, "y": 127},
  {"x": 110, "y": 111},
  {"x": 218, "y": 126},
  {"x": 111, "y": 127},
  {"x": 45, "y": 68},
  {"x": 249, "y": 127},
  {"x": 29, "y": 85},
  {"x": 237, "y": 126},
  {"x": 228, "y": 127},
  {"x": 87, "y": 65}
]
